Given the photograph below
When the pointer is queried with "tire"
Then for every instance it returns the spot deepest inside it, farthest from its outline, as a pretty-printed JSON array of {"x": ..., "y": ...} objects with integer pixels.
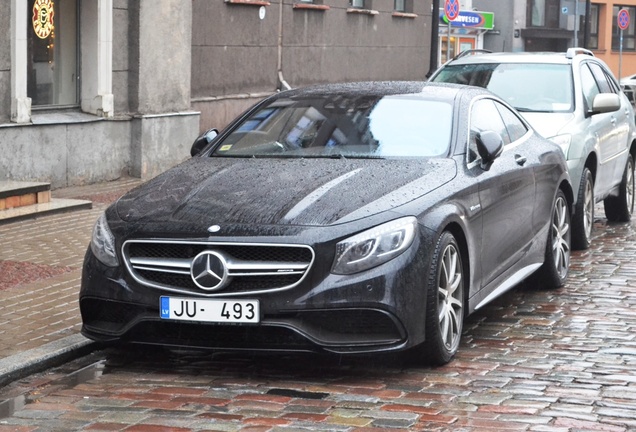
[
  {"x": 444, "y": 303},
  {"x": 620, "y": 208},
  {"x": 555, "y": 268},
  {"x": 583, "y": 218}
]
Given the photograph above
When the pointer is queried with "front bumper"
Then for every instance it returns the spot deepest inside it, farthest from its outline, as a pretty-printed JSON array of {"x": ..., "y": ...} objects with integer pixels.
[{"x": 379, "y": 310}]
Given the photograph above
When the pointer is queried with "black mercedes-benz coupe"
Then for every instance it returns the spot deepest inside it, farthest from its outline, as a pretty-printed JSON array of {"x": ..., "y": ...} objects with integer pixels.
[{"x": 344, "y": 218}]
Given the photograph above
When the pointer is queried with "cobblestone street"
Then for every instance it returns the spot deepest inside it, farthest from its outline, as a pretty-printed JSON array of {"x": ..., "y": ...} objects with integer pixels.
[{"x": 533, "y": 360}]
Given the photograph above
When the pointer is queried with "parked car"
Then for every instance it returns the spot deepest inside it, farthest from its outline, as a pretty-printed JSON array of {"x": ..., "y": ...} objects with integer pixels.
[
  {"x": 628, "y": 84},
  {"x": 573, "y": 99},
  {"x": 351, "y": 218},
  {"x": 629, "y": 81}
]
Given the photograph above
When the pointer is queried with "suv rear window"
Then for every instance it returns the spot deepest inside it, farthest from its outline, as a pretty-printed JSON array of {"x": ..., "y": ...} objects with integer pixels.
[{"x": 529, "y": 87}]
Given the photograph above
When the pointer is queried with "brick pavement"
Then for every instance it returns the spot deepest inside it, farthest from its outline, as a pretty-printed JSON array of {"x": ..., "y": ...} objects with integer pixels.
[{"x": 40, "y": 270}]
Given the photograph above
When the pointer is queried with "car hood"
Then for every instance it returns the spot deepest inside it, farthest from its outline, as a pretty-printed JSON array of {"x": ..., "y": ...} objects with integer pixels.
[
  {"x": 548, "y": 124},
  {"x": 282, "y": 191}
]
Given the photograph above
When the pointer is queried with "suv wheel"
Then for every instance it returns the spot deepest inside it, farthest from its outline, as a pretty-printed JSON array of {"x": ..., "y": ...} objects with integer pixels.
[
  {"x": 619, "y": 208},
  {"x": 583, "y": 219}
]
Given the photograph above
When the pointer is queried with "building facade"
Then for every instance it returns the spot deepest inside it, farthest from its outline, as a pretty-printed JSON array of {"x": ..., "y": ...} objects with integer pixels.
[{"x": 93, "y": 89}]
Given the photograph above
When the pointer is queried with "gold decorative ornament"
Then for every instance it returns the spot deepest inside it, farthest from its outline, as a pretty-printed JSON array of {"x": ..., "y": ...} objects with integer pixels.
[{"x": 43, "y": 18}]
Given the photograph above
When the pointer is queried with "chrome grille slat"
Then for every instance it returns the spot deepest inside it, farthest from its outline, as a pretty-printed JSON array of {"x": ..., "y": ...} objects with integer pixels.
[
  {"x": 252, "y": 267},
  {"x": 273, "y": 273},
  {"x": 162, "y": 269},
  {"x": 164, "y": 262},
  {"x": 278, "y": 266}
]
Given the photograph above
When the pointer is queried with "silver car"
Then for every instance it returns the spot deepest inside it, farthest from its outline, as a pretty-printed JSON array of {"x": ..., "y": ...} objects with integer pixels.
[{"x": 573, "y": 99}]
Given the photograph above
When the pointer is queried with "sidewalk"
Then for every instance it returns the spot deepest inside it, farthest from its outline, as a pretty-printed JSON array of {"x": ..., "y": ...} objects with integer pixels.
[{"x": 40, "y": 273}]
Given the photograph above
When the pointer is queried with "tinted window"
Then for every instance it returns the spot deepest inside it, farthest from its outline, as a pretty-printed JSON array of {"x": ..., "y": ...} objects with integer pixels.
[
  {"x": 588, "y": 86},
  {"x": 600, "y": 78},
  {"x": 337, "y": 125},
  {"x": 525, "y": 86},
  {"x": 515, "y": 127},
  {"x": 604, "y": 82},
  {"x": 484, "y": 116}
]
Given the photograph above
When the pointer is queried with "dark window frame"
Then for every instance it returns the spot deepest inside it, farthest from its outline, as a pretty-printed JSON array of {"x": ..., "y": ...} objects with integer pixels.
[
  {"x": 550, "y": 17},
  {"x": 592, "y": 42}
]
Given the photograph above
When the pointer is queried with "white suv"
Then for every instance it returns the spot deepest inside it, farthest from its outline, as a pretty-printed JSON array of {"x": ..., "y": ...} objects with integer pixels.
[{"x": 573, "y": 99}]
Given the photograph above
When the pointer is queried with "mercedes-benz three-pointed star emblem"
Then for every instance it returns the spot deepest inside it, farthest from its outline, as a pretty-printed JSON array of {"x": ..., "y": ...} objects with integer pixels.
[{"x": 209, "y": 271}]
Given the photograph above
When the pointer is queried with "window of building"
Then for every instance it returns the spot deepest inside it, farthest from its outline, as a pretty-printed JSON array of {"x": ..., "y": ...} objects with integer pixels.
[
  {"x": 403, "y": 6},
  {"x": 310, "y": 5},
  {"x": 538, "y": 13},
  {"x": 629, "y": 34},
  {"x": 359, "y": 4},
  {"x": 544, "y": 13},
  {"x": 52, "y": 46},
  {"x": 592, "y": 42},
  {"x": 45, "y": 60}
]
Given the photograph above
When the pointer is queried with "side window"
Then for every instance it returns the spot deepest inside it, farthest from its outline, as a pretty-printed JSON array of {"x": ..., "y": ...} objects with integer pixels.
[
  {"x": 589, "y": 86},
  {"x": 601, "y": 78},
  {"x": 516, "y": 128},
  {"x": 484, "y": 116}
]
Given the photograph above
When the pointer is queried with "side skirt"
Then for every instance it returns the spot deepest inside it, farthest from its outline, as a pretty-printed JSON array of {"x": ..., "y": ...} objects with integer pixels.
[{"x": 509, "y": 283}]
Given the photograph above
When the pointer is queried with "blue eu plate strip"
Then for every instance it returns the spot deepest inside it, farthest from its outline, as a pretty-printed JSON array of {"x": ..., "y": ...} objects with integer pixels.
[{"x": 165, "y": 307}]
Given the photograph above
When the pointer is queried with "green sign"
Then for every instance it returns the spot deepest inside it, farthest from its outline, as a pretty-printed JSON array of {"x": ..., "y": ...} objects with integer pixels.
[{"x": 472, "y": 19}]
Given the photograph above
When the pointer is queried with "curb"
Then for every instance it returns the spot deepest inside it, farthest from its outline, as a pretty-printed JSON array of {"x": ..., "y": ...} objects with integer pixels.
[{"x": 35, "y": 360}]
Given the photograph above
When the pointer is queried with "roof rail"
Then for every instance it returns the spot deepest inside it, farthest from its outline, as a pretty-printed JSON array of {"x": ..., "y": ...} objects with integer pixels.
[
  {"x": 470, "y": 52},
  {"x": 575, "y": 50}
]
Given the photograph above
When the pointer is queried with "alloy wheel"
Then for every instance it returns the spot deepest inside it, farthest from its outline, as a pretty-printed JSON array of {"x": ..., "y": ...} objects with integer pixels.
[
  {"x": 450, "y": 297},
  {"x": 629, "y": 188},
  {"x": 588, "y": 209},
  {"x": 561, "y": 236}
]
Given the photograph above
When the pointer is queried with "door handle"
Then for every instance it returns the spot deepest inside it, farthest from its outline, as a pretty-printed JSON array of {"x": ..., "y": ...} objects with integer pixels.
[{"x": 521, "y": 160}]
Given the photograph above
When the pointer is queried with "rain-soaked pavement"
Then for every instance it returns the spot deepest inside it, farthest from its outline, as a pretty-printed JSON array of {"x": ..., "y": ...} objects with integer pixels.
[{"x": 534, "y": 360}]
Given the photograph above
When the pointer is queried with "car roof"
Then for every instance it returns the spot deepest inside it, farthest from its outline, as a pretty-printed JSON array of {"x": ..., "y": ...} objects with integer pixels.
[
  {"x": 517, "y": 57},
  {"x": 425, "y": 89}
]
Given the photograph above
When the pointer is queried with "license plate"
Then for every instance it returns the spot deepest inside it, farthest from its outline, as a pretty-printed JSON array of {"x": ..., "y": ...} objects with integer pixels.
[{"x": 207, "y": 310}]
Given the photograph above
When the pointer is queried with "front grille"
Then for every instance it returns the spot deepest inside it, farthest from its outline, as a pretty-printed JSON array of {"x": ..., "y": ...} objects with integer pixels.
[{"x": 251, "y": 268}]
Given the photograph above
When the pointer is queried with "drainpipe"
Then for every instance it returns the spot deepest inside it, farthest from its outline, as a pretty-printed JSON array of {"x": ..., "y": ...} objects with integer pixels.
[
  {"x": 434, "y": 38},
  {"x": 586, "y": 30},
  {"x": 282, "y": 84}
]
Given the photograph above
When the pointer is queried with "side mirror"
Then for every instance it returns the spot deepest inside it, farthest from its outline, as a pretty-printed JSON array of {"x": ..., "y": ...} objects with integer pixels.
[
  {"x": 489, "y": 145},
  {"x": 203, "y": 140},
  {"x": 606, "y": 102}
]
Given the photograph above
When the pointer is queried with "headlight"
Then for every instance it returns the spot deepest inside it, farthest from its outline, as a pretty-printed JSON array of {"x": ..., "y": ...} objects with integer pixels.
[
  {"x": 103, "y": 243},
  {"x": 562, "y": 141},
  {"x": 374, "y": 246}
]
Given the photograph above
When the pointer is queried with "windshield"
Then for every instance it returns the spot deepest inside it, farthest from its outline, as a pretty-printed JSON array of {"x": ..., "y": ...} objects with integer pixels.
[
  {"x": 341, "y": 126},
  {"x": 529, "y": 87}
]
